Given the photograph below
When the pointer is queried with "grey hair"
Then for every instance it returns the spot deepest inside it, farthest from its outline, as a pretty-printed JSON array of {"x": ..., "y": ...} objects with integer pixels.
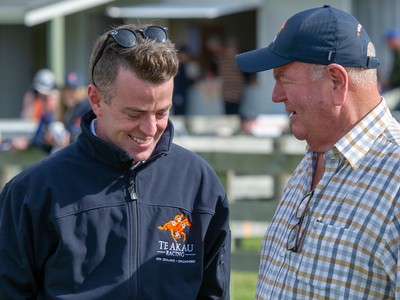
[{"x": 358, "y": 76}]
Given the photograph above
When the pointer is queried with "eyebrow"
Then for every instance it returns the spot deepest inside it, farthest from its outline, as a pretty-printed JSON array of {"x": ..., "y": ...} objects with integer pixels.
[
  {"x": 280, "y": 72},
  {"x": 139, "y": 110},
  {"x": 277, "y": 73}
]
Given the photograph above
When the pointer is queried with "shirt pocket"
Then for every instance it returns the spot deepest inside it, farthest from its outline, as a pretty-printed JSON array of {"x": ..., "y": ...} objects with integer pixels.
[{"x": 330, "y": 258}]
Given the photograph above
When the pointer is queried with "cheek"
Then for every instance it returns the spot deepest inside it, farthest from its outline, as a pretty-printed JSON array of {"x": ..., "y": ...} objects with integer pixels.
[
  {"x": 163, "y": 123},
  {"x": 113, "y": 121},
  {"x": 161, "y": 126},
  {"x": 125, "y": 125}
]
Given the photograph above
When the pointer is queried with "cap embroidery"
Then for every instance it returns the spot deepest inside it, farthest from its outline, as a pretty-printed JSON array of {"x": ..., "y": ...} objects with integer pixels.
[
  {"x": 283, "y": 26},
  {"x": 176, "y": 227},
  {"x": 279, "y": 31},
  {"x": 359, "y": 26}
]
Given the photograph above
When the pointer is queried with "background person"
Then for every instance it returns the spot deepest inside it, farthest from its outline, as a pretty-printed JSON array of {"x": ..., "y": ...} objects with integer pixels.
[
  {"x": 336, "y": 231},
  {"x": 74, "y": 103},
  {"x": 44, "y": 135},
  {"x": 391, "y": 87},
  {"x": 43, "y": 84},
  {"x": 233, "y": 81},
  {"x": 61, "y": 125},
  {"x": 123, "y": 212},
  {"x": 393, "y": 43},
  {"x": 182, "y": 83},
  {"x": 41, "y": 104}
]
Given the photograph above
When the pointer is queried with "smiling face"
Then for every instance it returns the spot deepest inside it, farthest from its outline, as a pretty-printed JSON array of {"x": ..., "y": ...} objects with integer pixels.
[
  {"x": 136, "y": 116},
  {"x": 309, "y": 102}
]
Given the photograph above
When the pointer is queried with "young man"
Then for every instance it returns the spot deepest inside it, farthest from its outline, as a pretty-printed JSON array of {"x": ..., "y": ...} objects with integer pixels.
[
  {"x": 336, "y": 232},
  {"x": 122, "y": 213}
]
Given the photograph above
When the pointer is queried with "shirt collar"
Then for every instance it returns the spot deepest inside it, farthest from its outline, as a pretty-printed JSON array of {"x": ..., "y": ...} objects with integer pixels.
[
  {"x": 358, "y": 141},
  {"x": 93, "y": 125}
]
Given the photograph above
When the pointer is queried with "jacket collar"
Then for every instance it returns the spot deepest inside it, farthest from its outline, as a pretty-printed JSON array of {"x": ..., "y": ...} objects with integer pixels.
[{"x": 114, "y": 156}]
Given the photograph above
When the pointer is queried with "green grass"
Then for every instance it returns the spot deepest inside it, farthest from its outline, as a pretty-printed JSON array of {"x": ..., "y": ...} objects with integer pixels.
[
  {"x": 251, "y": 244},
  {"x": 243, "y": 285},
  {"x": 245, "y": 269}
]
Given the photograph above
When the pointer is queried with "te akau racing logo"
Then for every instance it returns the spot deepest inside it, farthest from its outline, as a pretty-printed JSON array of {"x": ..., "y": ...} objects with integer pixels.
[
  {"x": 177, "y": 227},
  {"x": 177, "y": 247}
]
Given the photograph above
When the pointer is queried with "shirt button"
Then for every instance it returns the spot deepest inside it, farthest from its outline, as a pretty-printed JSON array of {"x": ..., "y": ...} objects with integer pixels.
[{"x": 283, "y": 252}]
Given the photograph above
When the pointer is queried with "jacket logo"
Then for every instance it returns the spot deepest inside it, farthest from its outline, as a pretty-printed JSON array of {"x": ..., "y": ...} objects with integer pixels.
[{"x": 176, "y": 227}]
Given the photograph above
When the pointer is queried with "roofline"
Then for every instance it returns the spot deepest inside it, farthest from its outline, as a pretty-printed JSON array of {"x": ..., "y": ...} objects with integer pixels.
[
  {"x": 11, "y": 15},
  {"x": 182, "y": 10},
  {"x": 17, "y": 14},
  {"x": 48, "y": 12}
]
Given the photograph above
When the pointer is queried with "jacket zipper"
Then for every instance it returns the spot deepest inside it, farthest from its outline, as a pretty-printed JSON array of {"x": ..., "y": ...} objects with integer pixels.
[
  {"x": 132, "y": 184},
  {"x": 134, "y": 215},
  {"x": 132, "y": 187},
  {"x": 134, "y": 243}
]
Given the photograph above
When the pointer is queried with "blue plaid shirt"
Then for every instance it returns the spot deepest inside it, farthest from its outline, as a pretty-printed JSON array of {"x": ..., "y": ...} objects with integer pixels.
[{"x": 352, "y": 230}]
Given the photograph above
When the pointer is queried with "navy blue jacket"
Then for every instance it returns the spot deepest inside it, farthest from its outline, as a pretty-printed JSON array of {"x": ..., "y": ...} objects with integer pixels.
[{"x": 84, "y": 224}]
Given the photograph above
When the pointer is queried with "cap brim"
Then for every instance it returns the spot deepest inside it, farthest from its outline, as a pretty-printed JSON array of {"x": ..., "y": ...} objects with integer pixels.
[
  {"x": 260, "y": 60},
  {"x": 42, "y": 89}
]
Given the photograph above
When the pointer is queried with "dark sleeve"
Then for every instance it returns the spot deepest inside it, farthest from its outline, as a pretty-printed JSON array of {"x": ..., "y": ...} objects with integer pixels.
[
  {"x": 19, "y": 257},
  {"x": 216, "y": 275}
]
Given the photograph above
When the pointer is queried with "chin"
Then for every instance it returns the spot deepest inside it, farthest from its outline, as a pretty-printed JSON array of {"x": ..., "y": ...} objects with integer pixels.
[
  {"x": 140, "y": 157},
  {"x": 298, "y": 135}
]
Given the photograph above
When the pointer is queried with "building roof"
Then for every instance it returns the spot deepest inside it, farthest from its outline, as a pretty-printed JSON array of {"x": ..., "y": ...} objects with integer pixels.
[
  {"x": 192, "y": 9},
  {"x": 33, "y": 12}
]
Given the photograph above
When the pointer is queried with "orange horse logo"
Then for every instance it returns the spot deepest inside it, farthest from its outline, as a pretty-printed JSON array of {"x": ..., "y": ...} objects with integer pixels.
[{"x": 176, "y": 227}]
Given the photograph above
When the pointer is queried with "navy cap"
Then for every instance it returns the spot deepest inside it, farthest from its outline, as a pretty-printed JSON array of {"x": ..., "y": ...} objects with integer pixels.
[
  {"x": 322, "y": 35},
  {"x": 392, "y": 33},
  {"x": 74, "y": 80}
]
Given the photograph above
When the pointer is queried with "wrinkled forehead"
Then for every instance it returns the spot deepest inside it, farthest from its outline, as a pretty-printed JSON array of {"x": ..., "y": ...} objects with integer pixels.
[{"x": 292, "y": 69}]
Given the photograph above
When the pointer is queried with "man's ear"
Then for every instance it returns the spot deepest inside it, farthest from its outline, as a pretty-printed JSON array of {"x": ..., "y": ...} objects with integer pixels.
[
  {"x": 340, "y": 81},
  {"x": 94, "y": 99}
]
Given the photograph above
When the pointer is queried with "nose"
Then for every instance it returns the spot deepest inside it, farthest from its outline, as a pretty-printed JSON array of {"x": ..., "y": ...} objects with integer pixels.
[
  {"x": 278, "y": 93},
  {"x": 149, "y": 125}
]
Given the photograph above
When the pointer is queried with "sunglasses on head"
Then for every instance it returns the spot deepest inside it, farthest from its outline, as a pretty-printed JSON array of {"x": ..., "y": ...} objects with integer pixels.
[{"x": 127, "y": 38}]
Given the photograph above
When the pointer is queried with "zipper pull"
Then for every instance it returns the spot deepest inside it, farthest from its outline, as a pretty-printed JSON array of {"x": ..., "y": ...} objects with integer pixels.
[{"x": 131, "y": 189}]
